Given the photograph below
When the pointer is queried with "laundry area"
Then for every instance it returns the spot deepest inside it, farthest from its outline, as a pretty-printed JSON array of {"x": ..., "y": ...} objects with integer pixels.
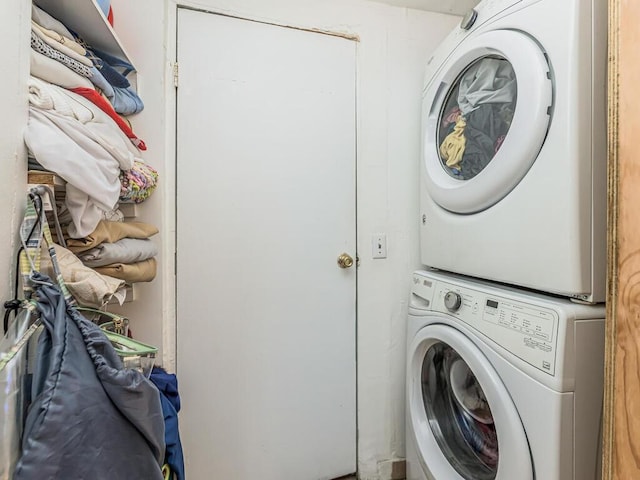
[{"x": 318, "y": 240}]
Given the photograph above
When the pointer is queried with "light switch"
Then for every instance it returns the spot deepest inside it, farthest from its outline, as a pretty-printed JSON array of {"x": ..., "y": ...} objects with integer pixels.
[{"x": 379, "y": 245}]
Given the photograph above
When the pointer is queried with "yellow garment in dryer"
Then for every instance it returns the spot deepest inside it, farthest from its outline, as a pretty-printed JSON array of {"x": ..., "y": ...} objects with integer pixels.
[{"x": 452, "y": 148}]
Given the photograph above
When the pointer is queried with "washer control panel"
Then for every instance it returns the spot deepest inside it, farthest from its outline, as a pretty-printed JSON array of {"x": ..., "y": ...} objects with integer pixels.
[{"x": 527, "y": 330}]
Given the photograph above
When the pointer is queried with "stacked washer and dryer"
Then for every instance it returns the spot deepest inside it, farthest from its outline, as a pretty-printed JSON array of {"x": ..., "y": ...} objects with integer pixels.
[{"x": 505, "y": 337}]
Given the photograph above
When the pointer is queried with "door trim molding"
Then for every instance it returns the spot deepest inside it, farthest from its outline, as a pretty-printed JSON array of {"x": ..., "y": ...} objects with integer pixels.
[{"x": 348, "y": 36}]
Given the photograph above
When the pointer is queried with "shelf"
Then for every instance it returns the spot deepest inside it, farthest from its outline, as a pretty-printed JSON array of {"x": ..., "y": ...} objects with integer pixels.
[
  {"x": 51, "y": 180},
  {"x": 129, "y": 210},
  {"x": 130, "y": 295},
  {"x": 58, "y": 186},
  {"x": 42, "y": 177},
  {"x": 86, "y": 19}
]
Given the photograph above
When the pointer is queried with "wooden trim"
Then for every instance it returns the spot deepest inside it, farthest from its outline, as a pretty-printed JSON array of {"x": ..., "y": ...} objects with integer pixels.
[
  {"x": 612, "y": 222},
  {"x": 621, "y": 424}
]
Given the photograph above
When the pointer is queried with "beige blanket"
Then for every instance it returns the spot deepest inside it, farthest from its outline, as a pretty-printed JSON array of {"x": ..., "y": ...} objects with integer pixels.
[
  {"x": 144, "y": 271},
  {"x": 88, "y": 287}
]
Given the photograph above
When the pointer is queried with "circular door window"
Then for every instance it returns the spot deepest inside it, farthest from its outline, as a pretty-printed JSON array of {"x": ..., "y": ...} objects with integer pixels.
[
  {"x": 476, "y": 117},
  {"x": 459, "y": 414},
  {"x": 462, "y": 418},
  {"x": 487, "y": 112}
]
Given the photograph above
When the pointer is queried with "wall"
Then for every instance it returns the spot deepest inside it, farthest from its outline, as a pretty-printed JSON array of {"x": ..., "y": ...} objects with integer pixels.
[
  {"x": 141, "y": 27},
  {"x": 393, "y": 49},
  {"x": 14, "y": 30}
]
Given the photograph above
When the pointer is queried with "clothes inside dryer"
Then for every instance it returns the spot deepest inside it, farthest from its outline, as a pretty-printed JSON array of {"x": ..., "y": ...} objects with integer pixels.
[
  {"x": 459, "y": 414},
  {"x": 476, "y": 116}
]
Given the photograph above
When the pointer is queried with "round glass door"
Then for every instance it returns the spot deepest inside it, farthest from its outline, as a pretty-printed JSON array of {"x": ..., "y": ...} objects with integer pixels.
[
  {"x": 476, "y": 117},
  {"x": 462, "y": 419},
  {"x": 459, "y": 414},
  {"x": 486, "y": 114}
]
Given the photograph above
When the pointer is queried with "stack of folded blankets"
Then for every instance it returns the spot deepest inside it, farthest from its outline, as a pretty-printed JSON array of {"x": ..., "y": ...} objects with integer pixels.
[
  {"x": 62, "y": 57},
  {"x": 120, "y": 250},
  {"x": 78, "y": 96},
  {"x": 98, "y": 267}
]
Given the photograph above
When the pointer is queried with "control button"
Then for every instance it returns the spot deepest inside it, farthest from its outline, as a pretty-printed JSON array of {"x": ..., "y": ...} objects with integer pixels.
[
  {"x": 452, "y": 301},
  {"x": 542, "y": 335},
  {"x": 469, "y": 19}
]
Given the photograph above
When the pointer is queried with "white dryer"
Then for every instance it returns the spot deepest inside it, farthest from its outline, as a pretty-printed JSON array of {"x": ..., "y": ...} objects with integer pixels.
[
  {"x": 513, "y": 170},
  {"x": 502, "y": 384}
]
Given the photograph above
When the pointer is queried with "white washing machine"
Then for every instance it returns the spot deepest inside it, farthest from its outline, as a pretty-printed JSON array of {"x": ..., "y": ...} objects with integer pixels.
[
  {"x": 502, "y": 384},
  {"x": 514, "y": 147}
]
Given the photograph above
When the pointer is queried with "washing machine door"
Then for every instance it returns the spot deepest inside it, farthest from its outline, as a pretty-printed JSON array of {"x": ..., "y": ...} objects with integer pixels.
[
  {"x": 464, "y": 422},
  {"x": 486, "y": 113}
]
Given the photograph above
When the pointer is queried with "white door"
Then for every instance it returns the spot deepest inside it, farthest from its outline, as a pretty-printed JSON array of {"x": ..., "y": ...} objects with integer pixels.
[
  {"x": 486, "y": 116},
  {"x": 463, "y": 421},
  {"x": 265, "y": 205}
]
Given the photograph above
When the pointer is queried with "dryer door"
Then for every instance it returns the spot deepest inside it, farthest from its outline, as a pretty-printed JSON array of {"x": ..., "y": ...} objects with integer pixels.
[
  {"x": 464, "y": 422},
  {"x": 486, "y": 115}
]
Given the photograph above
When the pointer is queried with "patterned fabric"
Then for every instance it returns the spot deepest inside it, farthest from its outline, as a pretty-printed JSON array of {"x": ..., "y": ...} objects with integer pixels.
[
  {"x": 138, "y": 183},
  {"x": 66, "y": 41},
  {"x": 59, "y": 46},
  {"x": 39, "y": 46},
  {"x": 54, "y": 72}
]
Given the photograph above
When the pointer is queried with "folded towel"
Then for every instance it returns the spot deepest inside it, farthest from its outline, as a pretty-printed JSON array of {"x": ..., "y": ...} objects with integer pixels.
[
  {"x": 126, "y": 250},
  {"x": 111, "y": 232},
  {"x": 144, "y": 271}
]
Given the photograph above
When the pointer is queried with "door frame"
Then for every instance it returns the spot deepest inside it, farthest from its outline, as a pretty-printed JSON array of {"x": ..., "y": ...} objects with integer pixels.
[{"x": 621, "y": 428}]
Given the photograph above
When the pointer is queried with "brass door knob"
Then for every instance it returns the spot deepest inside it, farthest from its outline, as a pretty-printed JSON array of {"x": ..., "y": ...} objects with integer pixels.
[{"x": 345, "y": 260}]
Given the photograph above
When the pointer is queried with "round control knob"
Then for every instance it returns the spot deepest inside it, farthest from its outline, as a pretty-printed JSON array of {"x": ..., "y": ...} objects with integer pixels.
[{"x": 452, "y": 301}]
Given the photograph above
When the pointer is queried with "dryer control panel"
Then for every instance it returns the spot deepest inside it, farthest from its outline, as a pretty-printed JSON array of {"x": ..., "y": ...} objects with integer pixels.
[{"x": 526, "y": 330}]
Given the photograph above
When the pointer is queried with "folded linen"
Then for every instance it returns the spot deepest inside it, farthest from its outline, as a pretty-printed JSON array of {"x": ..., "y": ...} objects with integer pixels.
[
  {"x": 44, "y": 48},
  {"x": 109, "y": 75},
  {"x": 111, "y": 232},
  {"x": 61, "y": 46},
  {"x": 56, "y": 73},
  {"x": 126, "y": 250},
  {"x": 72, "y": 137},
  {"x": 144, "y": 271},
  {"x": 61, "y": 39},
  {"x": 47, "y": 21},
  {"x": 124, "y": 100}
]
